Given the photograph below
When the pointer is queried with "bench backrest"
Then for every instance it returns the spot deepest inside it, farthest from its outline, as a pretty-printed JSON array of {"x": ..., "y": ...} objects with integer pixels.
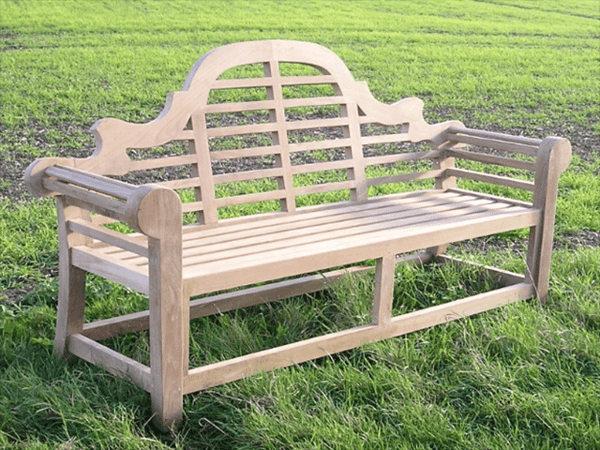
[{"x": 291, "y": 107}]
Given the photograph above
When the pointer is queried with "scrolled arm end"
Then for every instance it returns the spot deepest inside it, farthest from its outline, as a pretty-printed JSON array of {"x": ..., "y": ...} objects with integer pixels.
[
  {"x": 155, "y": 211},
  {"x": 556, "y": 151},
  {"x": 34, "y": 175}
]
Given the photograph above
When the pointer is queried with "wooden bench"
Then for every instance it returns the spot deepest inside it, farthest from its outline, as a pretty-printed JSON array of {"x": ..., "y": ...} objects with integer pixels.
[{"x": 294, "y": 109}]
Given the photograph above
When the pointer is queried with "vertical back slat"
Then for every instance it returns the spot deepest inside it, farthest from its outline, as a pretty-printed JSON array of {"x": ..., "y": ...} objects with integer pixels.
[
  {"x": 280, "y": 138},
  {"x": 355, "y": 152},
  {"x": 203, "y": 170}
]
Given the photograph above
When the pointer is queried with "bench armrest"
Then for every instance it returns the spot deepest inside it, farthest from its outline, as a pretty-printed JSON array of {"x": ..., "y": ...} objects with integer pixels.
[
  {"x": 140, "y": 207},
  {"x": 551, "y": 148},
  {"x": 552, "y": 156}
]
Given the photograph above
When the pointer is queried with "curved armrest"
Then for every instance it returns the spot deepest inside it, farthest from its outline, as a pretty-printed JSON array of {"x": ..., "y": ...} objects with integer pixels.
[{"x": 149, "y": 209}]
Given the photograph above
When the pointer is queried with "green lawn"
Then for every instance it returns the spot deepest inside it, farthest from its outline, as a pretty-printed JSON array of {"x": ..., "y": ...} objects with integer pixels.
[{"x": 525, "y": 376}]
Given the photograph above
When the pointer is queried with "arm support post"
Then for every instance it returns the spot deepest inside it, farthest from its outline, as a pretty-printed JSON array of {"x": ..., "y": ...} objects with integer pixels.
[{"x": 554, "y": 155}]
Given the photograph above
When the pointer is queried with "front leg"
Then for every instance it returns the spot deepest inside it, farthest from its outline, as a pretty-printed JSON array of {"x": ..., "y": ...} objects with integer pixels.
[{"x": 71, "y": 288}]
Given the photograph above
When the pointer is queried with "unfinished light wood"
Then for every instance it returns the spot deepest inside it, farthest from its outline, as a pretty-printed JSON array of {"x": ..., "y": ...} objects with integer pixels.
[{"x": 172, "y": 263}]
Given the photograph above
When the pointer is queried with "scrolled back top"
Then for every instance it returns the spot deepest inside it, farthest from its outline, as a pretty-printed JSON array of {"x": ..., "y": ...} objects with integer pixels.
[{"x": 212, "y": 64}]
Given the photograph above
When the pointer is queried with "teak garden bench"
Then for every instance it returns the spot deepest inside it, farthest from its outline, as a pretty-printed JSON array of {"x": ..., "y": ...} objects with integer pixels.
[{"x": 283, "y": 105}]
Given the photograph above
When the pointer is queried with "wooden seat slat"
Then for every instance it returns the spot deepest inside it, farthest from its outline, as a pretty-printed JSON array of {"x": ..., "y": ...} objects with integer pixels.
[
  {"x": 308, "y": 214},
  {"x": 114, "y": 269},
  {"x": 284, "y": 224},
  {"x": 330, "y": 231},
  {"x": 249, "y": 269},
  {"x": 319, "y": 229},
  {"x": 396, "y": 222}
]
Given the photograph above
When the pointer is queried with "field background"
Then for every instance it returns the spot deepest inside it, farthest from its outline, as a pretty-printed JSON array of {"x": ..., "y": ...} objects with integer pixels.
[{"x": 524, "y": 376}]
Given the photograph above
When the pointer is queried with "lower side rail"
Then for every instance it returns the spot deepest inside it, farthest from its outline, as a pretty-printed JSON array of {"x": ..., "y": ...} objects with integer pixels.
[
  {"x": 286, "y": 355},
  {"x": 103, "y": 329},
  {"x": 84, "y": 345},
  {"x": 112, "y": 361},
  {"x": 215, "y": 304}
]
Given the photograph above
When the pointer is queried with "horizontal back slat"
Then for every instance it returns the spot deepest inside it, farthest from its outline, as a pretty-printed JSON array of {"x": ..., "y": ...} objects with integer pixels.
[
  {"x": 239, "y": 106},
  {"x": 384, "y": 139},
  {"x": 316, "y": 167},
  {"x": 317, "y": 123},
  {"x": 403, "y": 177},
  {"x": 268, "y": 81},
  {"x": 314, "y": 79},
  {"x": 247, "y": 175},
  {"x": 319, "y": 145},
  {"x": 192, "y": 207},
  {"x": 327, "y": 187},
  {"x": 184, "y": 183},
  {"x": 241, "y": 129},
  {"x": 163, "y": 162},
  {"x": 491, "y": 159},
  {"x": 493, "y": 179},
  {"x": 401, "y": 157},
  {"x": 249, "y": 198},
  {"x": 244, "y": 152},
  {"x": 314, "y": 101}
]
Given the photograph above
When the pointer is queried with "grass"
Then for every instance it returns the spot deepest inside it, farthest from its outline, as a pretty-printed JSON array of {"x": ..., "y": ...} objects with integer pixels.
[{"x": 524, "y": 376}]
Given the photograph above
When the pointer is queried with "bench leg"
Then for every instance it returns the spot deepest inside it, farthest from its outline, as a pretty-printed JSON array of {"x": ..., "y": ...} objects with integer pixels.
[
  {"x": 384, "y": 290},
  {"x": 437, "y": 251},
  {"x": 71, "y": 281},
  {"x": 539, "y": 253},
  {"x": 169, "y": 328},
  {"x": 71, "y": 302}
]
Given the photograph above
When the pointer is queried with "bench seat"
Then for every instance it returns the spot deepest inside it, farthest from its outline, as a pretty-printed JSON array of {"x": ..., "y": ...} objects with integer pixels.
[{"x": 245, "y": 252}]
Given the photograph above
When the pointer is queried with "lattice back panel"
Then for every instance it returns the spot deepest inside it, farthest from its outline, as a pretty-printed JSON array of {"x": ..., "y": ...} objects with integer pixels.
[{"x": 278, "y": 124}]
